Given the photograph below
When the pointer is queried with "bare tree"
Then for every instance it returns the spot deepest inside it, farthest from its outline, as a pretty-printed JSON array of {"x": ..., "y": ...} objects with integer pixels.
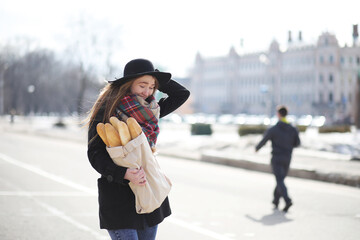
[
  {"x": 34, "y": 80},
  {"x": 8, "y": 54},
  {"x": 93, "y": 43},
  {"x": 39, "y": 83}
]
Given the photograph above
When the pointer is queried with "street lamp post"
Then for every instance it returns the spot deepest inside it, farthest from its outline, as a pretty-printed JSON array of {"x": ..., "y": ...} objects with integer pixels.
[{"x": 31, "y": 90}]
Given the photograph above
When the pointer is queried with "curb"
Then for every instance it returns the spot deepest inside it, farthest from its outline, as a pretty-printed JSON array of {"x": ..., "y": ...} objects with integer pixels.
[{"x": 337, "y": 178}]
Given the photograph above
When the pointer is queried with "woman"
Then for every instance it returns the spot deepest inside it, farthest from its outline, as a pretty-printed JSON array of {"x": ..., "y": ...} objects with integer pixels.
[{"x": 130, "y": 96}]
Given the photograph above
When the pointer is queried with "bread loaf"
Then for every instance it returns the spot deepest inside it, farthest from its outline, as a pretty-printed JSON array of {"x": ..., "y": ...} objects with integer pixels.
[
  {"x": 115, "y": 122},
  {"x": 123, "y": 132},
  {"x": 134, "y": 127},
  {"x": 100, "y": 128},
  {"x": 112, "y": 135}
]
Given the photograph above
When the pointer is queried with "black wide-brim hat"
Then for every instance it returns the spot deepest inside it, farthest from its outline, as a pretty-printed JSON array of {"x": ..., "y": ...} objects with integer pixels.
[{"x": 140, "y": 67}]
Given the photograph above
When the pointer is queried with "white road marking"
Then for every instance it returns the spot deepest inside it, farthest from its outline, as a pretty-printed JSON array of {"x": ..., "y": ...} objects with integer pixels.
[
  {"x": 48, "y": 175},
  {"x": 203, "y": 231},
  {"x": 56, "y": 212},
  {"x": 44, "y": 194},
  {"x": 93, "y": 192}
]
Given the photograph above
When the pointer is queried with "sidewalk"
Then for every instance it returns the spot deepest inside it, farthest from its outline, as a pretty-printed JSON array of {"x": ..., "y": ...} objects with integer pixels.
[{"x": 225, "y": 147}]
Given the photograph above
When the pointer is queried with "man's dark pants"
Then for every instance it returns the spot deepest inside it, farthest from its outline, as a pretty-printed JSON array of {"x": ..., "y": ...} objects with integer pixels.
[{"x": 280, "y": 167}]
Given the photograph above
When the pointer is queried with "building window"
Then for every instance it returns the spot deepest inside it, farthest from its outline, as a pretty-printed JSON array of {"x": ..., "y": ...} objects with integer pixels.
[
  {"x": 321, "y": 78},
  {"x": 358, "y": 60},
  {"x": 331, "y": 59},
  {"x": 330, "y": 97},
  {"x": 343, "y": 99},
  {"x": 342, "y": 60},
  {"x": 331, "y": 78},
  {"x": 321, "y": 59}
]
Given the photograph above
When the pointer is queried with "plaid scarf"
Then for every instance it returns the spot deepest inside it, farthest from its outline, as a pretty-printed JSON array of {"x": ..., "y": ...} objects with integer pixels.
[{"x": 145, "y": 113}]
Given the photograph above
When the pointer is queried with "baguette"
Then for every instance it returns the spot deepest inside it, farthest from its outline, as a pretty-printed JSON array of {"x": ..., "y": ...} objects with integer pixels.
[
  {"x": 134, "y": 127},
  {"x": 123, "y": 132},
  {"x": 115, "y": 122},
  {"x": 100, "y": 128},
  {"x": 112, "y": 135}
]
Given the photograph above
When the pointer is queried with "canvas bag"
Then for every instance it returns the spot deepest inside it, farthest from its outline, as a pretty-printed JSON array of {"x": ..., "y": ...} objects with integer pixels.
[{"x": 135, "y": 154}]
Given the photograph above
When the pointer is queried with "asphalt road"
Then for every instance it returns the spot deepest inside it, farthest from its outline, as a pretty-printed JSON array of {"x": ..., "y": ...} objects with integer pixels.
[{"x": 48, "y": 191}]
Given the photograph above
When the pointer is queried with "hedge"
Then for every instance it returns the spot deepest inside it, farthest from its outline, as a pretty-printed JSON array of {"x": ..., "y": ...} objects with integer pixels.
[
  {"x": 201, "y": 129},
  {"x": 301, "y": 128},
  {"x": 251, "y": 129},
  {"x": 336, "y": 128}
]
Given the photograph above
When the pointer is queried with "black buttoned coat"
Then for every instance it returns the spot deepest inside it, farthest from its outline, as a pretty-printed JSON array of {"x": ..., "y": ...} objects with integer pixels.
[{"x": 116, "y": 200}]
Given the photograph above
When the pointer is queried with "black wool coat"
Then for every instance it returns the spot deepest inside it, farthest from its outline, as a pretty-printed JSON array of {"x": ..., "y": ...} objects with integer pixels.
[{"x": 116, "y": 200}]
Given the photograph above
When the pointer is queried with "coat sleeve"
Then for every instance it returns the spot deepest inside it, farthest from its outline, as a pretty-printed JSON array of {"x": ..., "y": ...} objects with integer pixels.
[
  {"x": 99, "y": 157},
  {"x": 266, "y": 137},
  {"x": 177, "y": 95},
  {"x": 297, "y": 141}
]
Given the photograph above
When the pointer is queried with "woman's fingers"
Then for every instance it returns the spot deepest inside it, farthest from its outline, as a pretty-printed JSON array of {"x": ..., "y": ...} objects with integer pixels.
[
  {"x": 142, "y": 183},
  {"x": 133, "y": 170},
  {"x": 142, "y": 177},
  {"x": 137, "y": 176}
]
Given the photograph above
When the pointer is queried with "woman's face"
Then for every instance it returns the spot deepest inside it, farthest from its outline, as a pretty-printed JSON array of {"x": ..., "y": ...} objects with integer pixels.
[{"x": 143, "y": 86}]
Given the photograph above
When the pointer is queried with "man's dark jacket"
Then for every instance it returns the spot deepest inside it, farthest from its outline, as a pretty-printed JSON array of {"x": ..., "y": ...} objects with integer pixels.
[{"x": 284, "y": 137}]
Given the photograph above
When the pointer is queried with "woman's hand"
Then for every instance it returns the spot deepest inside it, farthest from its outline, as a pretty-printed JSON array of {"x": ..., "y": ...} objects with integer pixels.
[{"x": 136, "y": 176}]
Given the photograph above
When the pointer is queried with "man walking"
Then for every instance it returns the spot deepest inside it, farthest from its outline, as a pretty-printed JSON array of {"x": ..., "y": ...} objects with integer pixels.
[{"x": 284, "y": 137}]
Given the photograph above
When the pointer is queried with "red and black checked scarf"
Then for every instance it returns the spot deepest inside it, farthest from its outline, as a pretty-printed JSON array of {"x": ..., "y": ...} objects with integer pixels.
[{"x": 145, "y": 113}]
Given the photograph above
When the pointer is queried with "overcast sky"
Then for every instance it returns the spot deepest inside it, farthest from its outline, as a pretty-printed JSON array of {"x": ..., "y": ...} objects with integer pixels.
[{"x": 171, "y": 32}]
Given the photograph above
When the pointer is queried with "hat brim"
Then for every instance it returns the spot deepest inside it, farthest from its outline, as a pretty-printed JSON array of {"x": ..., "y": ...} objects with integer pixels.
[{"x": 162, "y": 77}]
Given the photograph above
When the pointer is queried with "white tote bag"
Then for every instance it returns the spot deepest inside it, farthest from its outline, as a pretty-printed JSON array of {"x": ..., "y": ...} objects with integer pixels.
[{"x": 135, "y": 154}]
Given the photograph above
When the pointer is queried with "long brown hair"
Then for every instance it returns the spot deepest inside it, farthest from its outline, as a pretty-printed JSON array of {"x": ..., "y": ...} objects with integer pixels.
[{"x": 109, "y": 98}]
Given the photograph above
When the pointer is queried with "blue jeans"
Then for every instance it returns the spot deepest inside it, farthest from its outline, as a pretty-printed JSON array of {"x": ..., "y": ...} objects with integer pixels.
[{"x": 149, "y": 233}]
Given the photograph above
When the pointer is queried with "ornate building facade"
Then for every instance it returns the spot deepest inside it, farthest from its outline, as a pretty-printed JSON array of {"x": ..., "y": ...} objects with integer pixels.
[{"x": 316, "y": 79}]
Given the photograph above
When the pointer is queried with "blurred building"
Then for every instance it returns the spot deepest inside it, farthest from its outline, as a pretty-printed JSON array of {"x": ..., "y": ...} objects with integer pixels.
[{"x": 317, "y": 79}]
